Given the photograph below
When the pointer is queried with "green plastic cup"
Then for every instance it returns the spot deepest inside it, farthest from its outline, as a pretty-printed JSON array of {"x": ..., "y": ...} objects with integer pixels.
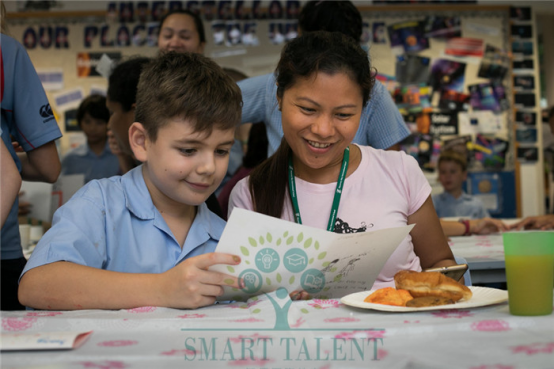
[{"x": 529, "y": 271}]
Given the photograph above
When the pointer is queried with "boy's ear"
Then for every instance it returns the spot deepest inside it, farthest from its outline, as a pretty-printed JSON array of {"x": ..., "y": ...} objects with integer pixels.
[{"x": 138, "y": 138}]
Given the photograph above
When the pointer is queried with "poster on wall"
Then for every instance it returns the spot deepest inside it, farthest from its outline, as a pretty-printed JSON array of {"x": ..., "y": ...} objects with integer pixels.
[
  {"x": 520, "y": 13},
  {"x": 486, "y": 187},
  {"x": 447, "y": 75},
  {"x": 87, "y": 62},
  {"x": 70, "y": 118},
  {"x": 464, "y": 46},
  {"x": 528, "y": 135},
  {"x": 410, "y": 35},
  {"x": 495, "y": 63},
  {"x": 52, "y": 78},
  {"x": 526, "y": 118},
  {"x": 442, "y": 27},
  {"x": 524, "y": 82},
  {"x": 527, "y": 154},
  {"x": 412, "y": 69}
]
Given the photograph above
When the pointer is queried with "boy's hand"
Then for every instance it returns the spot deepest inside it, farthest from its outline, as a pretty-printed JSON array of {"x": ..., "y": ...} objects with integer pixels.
[
  {"x": 191, "y": 285},
  {"x": 487, "y": 226}
]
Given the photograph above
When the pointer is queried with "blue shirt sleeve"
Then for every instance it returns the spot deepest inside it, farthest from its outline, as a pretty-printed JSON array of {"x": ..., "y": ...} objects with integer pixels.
[
  {"x": 35, "y": 124},
  {"x": 253, "y": 98},
  {"x": 381, "y": 124}
]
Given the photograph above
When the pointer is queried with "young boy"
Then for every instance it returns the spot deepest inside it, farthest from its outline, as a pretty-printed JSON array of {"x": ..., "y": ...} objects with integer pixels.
[
  {"x": 146, "y": 238},
  {"x": 454, "y": 202},
  {"x": 121, "y": 102},
  {"x": 94, "y": 158}
]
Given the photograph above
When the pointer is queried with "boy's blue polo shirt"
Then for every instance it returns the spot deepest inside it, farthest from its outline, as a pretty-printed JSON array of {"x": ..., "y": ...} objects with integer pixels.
[
  {"x": 112, "y": 224},
  {"x": 465, "y": 206}
]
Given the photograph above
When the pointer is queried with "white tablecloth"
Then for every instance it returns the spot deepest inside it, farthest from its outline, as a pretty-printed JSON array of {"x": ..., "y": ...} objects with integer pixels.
[
  {"x": 149, "y": 337},
  {"x": 484, "y": 255}
]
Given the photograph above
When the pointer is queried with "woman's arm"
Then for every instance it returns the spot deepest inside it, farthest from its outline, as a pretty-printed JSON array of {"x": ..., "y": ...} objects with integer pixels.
[
  {"x": 430, "y": 244},
  {"x": 69, "y": 286}
]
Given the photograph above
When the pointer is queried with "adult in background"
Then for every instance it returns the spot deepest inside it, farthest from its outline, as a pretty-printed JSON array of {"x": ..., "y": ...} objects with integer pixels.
[
  {"x": 381, "y": 125},
  {"x": 28, "y": 118}
]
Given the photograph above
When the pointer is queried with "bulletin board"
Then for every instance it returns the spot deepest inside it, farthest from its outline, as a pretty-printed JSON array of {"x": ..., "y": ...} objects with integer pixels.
[{"x": 449, "y": 70}]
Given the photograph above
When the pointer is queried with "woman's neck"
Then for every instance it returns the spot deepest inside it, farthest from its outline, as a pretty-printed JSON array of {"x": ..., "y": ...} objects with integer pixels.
[{"x": 329, "y": 173}]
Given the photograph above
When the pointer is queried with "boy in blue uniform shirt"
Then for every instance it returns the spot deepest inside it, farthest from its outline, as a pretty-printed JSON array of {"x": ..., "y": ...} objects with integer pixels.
[
  {"x": 454, "y": 202},
  {"x": 94, "y": 159},
  {"x": 147, "y": 238}
]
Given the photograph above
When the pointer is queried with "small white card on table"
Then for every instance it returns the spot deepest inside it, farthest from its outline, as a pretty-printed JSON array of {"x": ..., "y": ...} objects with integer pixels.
[{"x": 42, "y": 340}]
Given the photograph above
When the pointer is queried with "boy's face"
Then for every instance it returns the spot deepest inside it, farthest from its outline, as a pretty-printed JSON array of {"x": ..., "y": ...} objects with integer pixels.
[
  {"x": 96, "y": 130},
  {"x": 451, "y": 175},
  {"x": 185, "y": 167},
  {"x": 120, "y": 121}
]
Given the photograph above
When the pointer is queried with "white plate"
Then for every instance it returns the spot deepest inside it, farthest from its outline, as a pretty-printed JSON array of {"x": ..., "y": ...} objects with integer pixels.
[{"x": 482, "y": 296}]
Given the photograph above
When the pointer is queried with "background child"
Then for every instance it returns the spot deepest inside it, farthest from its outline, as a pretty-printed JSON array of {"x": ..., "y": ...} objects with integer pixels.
[
  {"x": 94, "y": 159},
  {"x": 454, "y": 202},
  {"x": 146, "y": 238}
]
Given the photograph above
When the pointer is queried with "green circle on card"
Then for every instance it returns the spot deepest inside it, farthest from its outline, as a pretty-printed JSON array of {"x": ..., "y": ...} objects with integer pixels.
[
  {"x": 252, "y": 280},
  {"x": 312, "y": 281},
  {"x": 267, "y": 260},
  {"x": 295, "y": 260}
]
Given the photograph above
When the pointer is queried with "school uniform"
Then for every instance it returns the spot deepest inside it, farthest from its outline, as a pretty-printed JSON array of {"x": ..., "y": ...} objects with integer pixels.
[
  {"x": 82, "y": 160},
  {"x": 112, "y": 224},
  {"x": 28, "y": 118},
  {"x": 465, "y": 206}
]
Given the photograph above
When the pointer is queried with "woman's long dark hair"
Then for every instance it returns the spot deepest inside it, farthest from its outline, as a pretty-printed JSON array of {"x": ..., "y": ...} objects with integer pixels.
[{"x": 320, "y": 51}]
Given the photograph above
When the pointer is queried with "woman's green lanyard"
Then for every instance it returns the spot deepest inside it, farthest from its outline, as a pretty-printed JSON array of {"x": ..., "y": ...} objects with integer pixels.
[{"x": 336, "y": 199}]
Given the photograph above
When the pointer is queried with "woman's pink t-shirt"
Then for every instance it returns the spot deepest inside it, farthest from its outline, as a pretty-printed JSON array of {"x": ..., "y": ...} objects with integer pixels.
[{"x": 386, "y": 188}]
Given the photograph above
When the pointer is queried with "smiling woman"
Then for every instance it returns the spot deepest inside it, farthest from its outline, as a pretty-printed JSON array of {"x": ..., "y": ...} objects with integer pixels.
[
  {"x": 181, "y": 31},
  {"x": 318, "y": 177}
]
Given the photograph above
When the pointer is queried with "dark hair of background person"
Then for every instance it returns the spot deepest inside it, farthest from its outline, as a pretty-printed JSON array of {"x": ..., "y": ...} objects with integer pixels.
[
  {"x": 257, "y": 146},
  {"x": 95, "y": 106},
  {"x": 331, "y": 16},
  {"x": 123, "y": 82},
  {"x": 189, "y": 86},
  {"x": 197, "y": 22},
  {"x": 321, "y": 52}
]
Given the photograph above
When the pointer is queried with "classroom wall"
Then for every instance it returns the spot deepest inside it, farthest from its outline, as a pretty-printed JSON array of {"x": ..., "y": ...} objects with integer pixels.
[{"x": 248, "y": 59}]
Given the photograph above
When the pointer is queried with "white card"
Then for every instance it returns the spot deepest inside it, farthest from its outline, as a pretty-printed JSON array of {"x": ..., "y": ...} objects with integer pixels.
[
  {"x": 278, "y": 253},
  {"x": 42, "y": 340}
]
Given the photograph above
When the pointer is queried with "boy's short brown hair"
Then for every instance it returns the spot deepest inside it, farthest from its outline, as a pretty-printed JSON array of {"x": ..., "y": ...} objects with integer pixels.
[
  {"x": 186, "y": 86},
  {"x": 454, "y": 156}
]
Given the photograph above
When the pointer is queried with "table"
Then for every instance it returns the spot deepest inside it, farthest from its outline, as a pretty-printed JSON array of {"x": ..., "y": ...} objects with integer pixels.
[
  {"x": 484, "y": 255},
  {"x": 314, "y": 334}
]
